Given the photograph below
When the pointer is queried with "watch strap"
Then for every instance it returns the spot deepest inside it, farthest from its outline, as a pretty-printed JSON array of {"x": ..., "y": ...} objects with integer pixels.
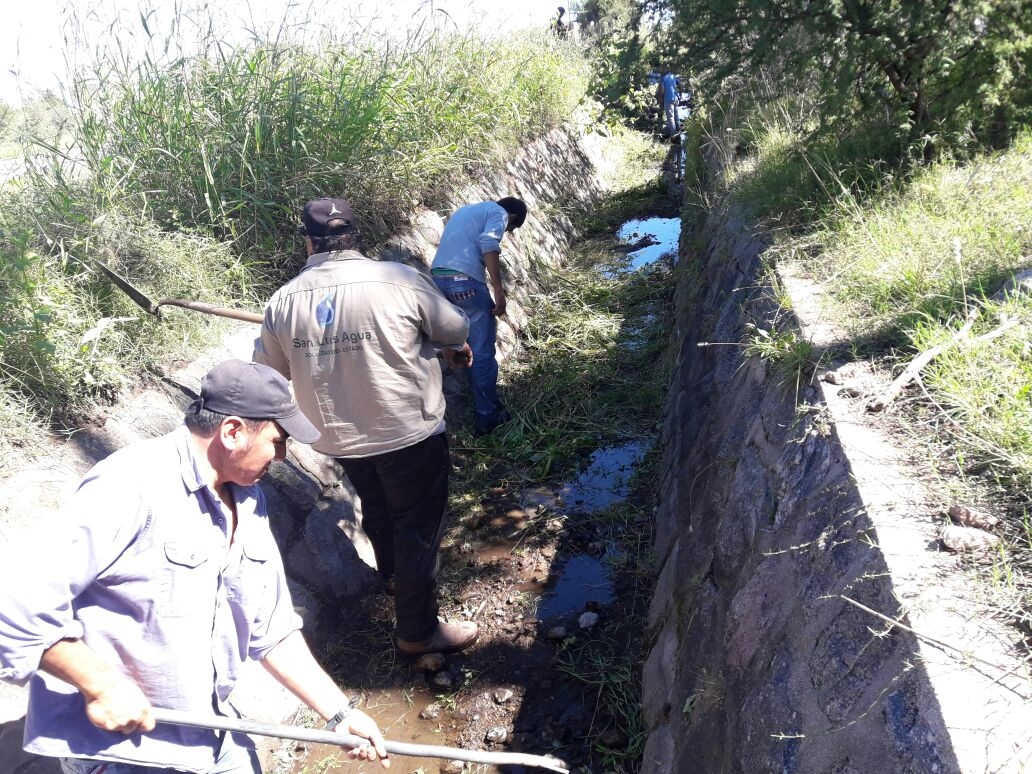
[{"x": 340, "y": 717}]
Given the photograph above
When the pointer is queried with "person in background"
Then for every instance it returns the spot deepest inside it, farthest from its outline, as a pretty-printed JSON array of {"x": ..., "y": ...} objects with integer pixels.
[
  {"x": 558, "y": 26},
  {"x": 158, "y": 581},
  {"x": 356, "y": 337},
  {"x": 468, "y": 255},
  {"x": 667, "y": 97}
]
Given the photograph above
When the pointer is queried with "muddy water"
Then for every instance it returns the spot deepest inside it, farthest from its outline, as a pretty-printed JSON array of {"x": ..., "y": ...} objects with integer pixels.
[
  {"x": 397, "y": 713},
  {"x": 583, "y": 582},
  {"x": 586, "y": 581},
  {"x": 663, "y": 232},
  {"x": 605, "y": 480}
]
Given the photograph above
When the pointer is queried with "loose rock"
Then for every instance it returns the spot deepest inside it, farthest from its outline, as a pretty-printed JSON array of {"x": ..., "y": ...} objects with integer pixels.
[
  {"x": 453, "y": 767},
  {"x": 503, "y": 695},
  {"x": 444, "y": 680},
  {"x": 614, "y": 739},
  {"x": 587, "y": 621},
  {"x": 967, "y": 539},
  {"x": 969, "y": 517},
  {"x": 431, "y": 662},
  {"x": 497, "y": 734},
  {"x": 556, "y": 633},
  {"x": 431, "y": 712}
]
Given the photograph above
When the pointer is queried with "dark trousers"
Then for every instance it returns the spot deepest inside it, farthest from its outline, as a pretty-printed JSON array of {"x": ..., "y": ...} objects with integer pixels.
[{"x": 404, "y": 496}]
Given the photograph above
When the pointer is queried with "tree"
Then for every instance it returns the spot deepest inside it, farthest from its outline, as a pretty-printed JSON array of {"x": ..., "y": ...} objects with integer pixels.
[{"x": 951, "y": 68}]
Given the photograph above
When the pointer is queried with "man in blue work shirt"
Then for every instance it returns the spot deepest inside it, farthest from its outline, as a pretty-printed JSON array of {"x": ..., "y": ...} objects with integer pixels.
[
  {"x": 667, "y": 96},
  {"x": 468, "y": 254},
  {"x": 155, "y": 584}
]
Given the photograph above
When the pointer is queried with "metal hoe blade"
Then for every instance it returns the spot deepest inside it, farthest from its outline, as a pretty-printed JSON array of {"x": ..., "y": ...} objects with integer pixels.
[
  {"x": 154, "y": 308},
  {"x": 129, "y": 289}
]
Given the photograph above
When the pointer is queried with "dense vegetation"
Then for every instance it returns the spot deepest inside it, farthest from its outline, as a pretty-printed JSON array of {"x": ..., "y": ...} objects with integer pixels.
[
  {"x": 184, "y": 171},
  {"x": 935, "y": 72}
]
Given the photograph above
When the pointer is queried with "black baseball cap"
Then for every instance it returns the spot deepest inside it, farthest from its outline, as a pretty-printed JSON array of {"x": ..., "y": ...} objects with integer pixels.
[
  {"x": 328, "y": 217},
  {"x": 255, "y": 391}
]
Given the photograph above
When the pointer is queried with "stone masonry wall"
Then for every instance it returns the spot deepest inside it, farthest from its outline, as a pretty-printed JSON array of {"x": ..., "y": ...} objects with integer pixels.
[
  {"x": 776, "y": 508},
  {"x": 758, "y": 665}
]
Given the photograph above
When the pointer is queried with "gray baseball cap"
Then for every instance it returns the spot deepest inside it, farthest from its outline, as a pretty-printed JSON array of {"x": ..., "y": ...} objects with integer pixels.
[{"x": 255, "y": 391}]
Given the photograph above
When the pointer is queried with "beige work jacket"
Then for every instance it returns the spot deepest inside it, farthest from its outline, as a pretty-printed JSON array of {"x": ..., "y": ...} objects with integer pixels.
[{"x": 356, "y": 337}]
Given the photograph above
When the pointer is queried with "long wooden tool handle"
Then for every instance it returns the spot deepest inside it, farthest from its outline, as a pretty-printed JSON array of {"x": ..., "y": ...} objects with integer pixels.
[
  {"x": 222, "y": 723},
  {"x": 220, "y": 311}
]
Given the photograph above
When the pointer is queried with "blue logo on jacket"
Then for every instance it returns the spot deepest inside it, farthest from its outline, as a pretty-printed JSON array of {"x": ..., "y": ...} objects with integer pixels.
[{"x": 325, "y": 313}]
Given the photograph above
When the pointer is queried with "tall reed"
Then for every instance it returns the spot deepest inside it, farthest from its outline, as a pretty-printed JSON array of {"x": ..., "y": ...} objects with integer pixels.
[{"x": 232, "y": 139}]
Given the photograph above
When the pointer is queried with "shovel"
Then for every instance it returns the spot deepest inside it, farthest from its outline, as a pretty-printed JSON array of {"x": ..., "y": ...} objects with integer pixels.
[
  {"x": 222, "y": 723},
  {"x": 154, "y": 308}
]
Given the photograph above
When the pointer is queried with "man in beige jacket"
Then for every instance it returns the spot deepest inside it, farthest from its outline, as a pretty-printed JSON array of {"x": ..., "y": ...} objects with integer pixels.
[{"x": 356, "y": 337}]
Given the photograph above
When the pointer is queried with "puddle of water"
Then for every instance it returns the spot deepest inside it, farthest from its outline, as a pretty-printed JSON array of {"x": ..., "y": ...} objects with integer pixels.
[
  {"x": 604, "y": 482},
  {"x": 584, "y": 579},
  {"x": 397, "y": 713},
  {"x": 665, "y": 231}
]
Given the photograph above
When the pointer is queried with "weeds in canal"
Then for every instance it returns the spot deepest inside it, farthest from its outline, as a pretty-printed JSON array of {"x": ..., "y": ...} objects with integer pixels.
[
  {"x": 618, "y": 735},
  {"x": 791, "y": 354},
  {"x": 592, "y": 372}
]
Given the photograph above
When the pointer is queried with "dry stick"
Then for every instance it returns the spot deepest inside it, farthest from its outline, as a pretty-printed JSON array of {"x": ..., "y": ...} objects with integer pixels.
[
  {"x": 221, "y": 723},
  {"x": 911, "y": 372},
  {"x": 925, "y": 637},
  {"x": 1004, "y": 672}
]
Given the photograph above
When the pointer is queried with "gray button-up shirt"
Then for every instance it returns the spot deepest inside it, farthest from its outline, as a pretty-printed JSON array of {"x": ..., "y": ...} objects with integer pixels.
[{"x": 139, "y": 565}]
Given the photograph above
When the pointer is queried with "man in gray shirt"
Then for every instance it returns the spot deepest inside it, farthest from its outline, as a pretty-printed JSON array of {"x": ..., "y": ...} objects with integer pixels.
[
  {"x": 159, "y": 579},
  {"x": 356, "y": 337}
]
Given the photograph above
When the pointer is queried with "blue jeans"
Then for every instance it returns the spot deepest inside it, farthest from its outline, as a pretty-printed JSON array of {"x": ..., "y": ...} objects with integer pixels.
[
  {"x": 671, "y": 118},
  {"x": 473, "y": 298},
  {"x": 234, "y": 758}
]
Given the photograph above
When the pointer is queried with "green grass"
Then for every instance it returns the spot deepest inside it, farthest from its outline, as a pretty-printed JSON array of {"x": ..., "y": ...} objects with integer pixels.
[
  {"x": 985, "y": 387},
  {"x": 953, "y": 233},
  {"x": 69, "y": 339},
  {"x": 908, "y": 267},
  {"x": 232, "y": 139},
  {"x": 788, "y": 169},
  {"x": 43, "y": 117},
  {"x": 578, "y": 382}
]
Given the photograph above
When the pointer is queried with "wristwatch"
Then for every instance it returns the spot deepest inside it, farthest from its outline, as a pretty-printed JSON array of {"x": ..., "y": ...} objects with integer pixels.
[{"x": 341, "y": 716}]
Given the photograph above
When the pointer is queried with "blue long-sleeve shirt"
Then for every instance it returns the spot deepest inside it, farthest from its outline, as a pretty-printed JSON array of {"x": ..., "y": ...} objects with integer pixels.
[
  {"x": 470, "y": 232},
  {"x": 668, "y": 85},
  {"x": 140, "y": 566}
]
